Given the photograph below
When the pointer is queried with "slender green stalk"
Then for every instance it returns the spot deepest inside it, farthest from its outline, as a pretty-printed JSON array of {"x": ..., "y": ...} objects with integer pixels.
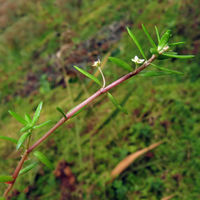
[{"x": 104, "y": 81}]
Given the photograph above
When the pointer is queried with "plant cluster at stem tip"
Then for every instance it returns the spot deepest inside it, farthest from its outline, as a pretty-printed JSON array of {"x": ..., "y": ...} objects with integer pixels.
[{"x": 162, "y": 49}]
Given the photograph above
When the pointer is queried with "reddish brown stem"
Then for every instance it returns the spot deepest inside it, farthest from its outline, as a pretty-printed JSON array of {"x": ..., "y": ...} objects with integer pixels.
[
  {"x": 71, "y": 113},
  {"x": 16, "y": 173}
]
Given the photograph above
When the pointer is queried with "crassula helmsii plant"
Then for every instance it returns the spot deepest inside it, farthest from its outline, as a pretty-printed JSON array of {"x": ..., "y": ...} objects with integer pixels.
[{"x": 162, "y": 49}]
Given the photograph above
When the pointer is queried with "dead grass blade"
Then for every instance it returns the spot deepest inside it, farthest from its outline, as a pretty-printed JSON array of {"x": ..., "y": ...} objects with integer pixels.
[
  {"x": 168, "y": 197},
  {"x": 130, "y": 159}
]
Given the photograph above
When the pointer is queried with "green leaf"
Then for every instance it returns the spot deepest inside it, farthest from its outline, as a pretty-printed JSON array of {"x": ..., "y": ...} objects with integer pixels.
[
  {"x": 2, "y": 198},
  {"x": 148, "y": 36},
  {"x": 116, "y": 104},
  {"x": 5, "y": 178},
  {"x": 18, "y": 117},
  {"x": 113, "y": 100},
  {"x": 167, "y": 70},
  {"x": 178, "y": 56},
  {"x": 136, "y": 42},
  {"x": 42, "y": 124},
  {"x": 154, "y": 51},
  {"x": 22, "y": 139},
  {"x": 28, "y": 168},
  {"x": 153, "y": 73},
  {"x": 42, "y": 158},
  {"x": 176, "y": 43},
  {"x": 28, "y": 118},
  {"x": 26, "y": 128},
  {"x": 172, "y": 52},
  {"x": 9, "y": 139},
  {"x": 163, "y": 57},
  {"x": 78, "y": 112},
  {"x": 164, "y": 40},
  {"x": 61, "y": 111},
  {"x": 88, "y": 75},
  {"x": 37, "y": 113},
  {"x": 121, "y": 63},
  {"x": 157, "y": 34}
]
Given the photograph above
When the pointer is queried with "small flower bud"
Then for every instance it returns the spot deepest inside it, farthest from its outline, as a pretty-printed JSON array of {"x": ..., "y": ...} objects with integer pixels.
[
  {"x": 97, "y": 63},
  {"x": 137, "y": 60}
]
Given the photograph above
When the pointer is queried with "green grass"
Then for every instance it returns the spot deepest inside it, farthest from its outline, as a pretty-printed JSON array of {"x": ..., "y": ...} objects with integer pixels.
[{"x": 159, "y": 108}]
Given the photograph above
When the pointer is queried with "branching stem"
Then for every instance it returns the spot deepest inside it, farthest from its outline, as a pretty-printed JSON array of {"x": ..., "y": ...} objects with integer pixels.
[{"x": 72, "y": 112}]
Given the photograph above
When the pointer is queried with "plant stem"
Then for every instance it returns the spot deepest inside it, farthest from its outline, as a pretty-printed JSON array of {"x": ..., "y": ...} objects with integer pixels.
[
  {"x": 16, "y": 173},
  {"x": 76, "y": 124},
  {"x": 29, "y": 140},
  {"x": 71, "y": 113}
]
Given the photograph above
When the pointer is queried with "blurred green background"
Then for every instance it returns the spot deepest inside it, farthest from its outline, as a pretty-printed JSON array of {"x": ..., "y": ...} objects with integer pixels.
[{"x": 40, "y": 41}]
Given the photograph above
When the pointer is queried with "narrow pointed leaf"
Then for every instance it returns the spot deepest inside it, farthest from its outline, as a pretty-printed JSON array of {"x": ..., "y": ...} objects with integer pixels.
[
  {"x": 167, "y": 70},
  {"x": 153, "y": 73},
  {"x": 41, "y": 125},
  {"x": 78, "y": 112},
  {"x": 22, "y": 139},
  {"x": 178, "y": 56},
  {"x": 26, "y": 128},
  {"x": 37, "y": 113},
  {"x": 163, "y": 57},
  {"x": 154, "y": 51},
  {"x": 116, "y": 104},
  {"x": 157, "y": 34},
  {"x": 121, "y": 63},
  {"x": 18, "y": 117},
  {"x": 28, "y": 168},
  {"x": 88, "y": 75},
  {"x": 172, "y": 52},
  {"x": 123, "y": 110},
  {"x": 61, "y": 111},
  {"x": 9, "y": 139},
  {"x": 113, "y": 100},
  {"x": 176, "y": 43},
  {"x": 149, "y": 37},
  {"x": 28, "y": 118},
  {"x": 5, "y": 178},
  {"x": 164, "y": 40},
  {"x": 42, "y": 158},
  {"x": 136, "y": 42}
]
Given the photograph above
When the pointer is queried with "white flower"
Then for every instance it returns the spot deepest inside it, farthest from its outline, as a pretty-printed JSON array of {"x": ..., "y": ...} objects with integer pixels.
[
  {"x": 97, "y": 63},
  {"x": 137, "y": 60}
]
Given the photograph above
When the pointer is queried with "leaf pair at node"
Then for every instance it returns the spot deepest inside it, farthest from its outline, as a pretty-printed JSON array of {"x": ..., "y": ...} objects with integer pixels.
[
  {"x": 64, "y": 115},
  {"x": 29, "y": 125},
  {"x": 163, "y": 47},
  {"x": 161, "y": 50},
  {"x": 42, "y": 158}
]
